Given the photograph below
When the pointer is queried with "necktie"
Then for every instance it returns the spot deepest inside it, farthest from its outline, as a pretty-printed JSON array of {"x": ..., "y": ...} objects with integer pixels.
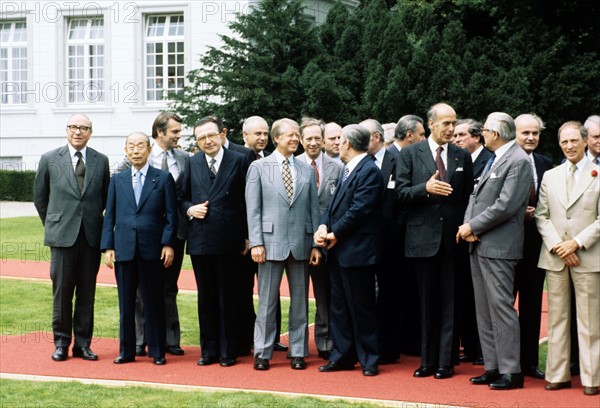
[
  {"x": 79, "y": 170},
  {"x": 488, "y": 166},
  {"x": 439, "y": 163},
  {"x": 316, "y": 169},
  {"x": 137, "y": 186},
  {"x": 164, "y": 165},
  {"x": 571, "y": 180},
  {"x": 212, "y": 166},
  {"x": 286, "y": 174},
  {"x": 257, "y": 156},
  {"x": 346, "y": 173},
  {"x": 597, "y": 161}
]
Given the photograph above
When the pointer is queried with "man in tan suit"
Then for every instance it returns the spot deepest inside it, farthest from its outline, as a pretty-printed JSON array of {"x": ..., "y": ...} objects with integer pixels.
[{"x": 567, "y": 216}]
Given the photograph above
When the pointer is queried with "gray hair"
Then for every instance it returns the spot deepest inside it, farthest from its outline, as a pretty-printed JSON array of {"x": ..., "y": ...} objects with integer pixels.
[
  {"x": 433, "y": 111},
  {"x": 138, "y": 133},
  {"x": 531, "y": 115},
  {"x": 591, "y": 120},
  {"x": 357, "y": 136},
  {"x": 502, "y": 123},
  {"x": 374, "y": 127},
  {"x": 249, "y": 121},
  {"x": 575, "y": 125},
  {"x": 280, "y": 124},
  {"x": 405, "y": 124}
]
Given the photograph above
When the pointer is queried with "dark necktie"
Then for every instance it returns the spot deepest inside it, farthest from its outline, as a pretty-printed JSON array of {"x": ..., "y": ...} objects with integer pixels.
[
  {"x": 346, "y": 173},
  {"x": 439, "y": 163},
  {"x": 212, "y": 167},
  {"x": 316, "y": 169},
  {"x": 164, "y": 165},
  {"x": 257, "y": 156},
  {"x": 488, "y": 166},
  {"x": 79, "y": 170}
]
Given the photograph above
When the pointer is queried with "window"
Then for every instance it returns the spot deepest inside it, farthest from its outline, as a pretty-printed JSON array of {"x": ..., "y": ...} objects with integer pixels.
[
  {"x": 163, "y": 53},
  {"x": 85, "y": 60},
  {"x": 13, "y": 62}
]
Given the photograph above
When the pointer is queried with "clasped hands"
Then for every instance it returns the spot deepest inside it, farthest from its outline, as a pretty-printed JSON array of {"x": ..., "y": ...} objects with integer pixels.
[
  {"x": 567, "y": 252},
  {"x": 465, "y": 232},
  {"x": 323, "y": 238}
]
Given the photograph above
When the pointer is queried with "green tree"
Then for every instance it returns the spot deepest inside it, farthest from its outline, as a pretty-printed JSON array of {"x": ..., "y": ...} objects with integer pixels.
[{"x": 256, "y": 71}]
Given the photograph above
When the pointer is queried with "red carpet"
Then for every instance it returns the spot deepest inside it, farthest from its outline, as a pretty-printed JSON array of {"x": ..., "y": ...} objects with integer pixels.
[{"x": 30, "y": 354}]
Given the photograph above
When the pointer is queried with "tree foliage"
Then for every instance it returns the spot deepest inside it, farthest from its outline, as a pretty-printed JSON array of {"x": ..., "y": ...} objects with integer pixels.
[{"x": 386, "y": 59}]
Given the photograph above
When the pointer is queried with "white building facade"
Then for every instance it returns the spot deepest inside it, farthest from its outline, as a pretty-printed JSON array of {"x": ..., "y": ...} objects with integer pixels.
[{"x": 115, "y": 61}]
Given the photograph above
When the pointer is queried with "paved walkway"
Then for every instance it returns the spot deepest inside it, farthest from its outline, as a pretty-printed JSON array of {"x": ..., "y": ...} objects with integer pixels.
[{"x": 12, "y": 209}]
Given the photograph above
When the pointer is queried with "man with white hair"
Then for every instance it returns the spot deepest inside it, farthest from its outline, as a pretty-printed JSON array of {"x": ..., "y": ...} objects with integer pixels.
[{"x": 592, "y": 126}]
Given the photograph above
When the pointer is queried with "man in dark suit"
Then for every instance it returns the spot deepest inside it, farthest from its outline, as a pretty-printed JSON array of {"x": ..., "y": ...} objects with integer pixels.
[
  {"x": 467, "y": 135},
  {"x": 166, "y": 131},
  {"x": 70, "y": 191},
  {"x": 138, "y": 235},
  {"x": 529, "y": 279},
  {"x": 212, "y": 197},
  {"x": 282, "y": 207},
  {"x": 409, "y": 130},
  {"x": 389, "y": 274},
  {"x": 433, "y": 180},
  {"x": 351, "y": 230},
  {"x": 494, "y": 228},
  {"x": 327, "y": 172}
]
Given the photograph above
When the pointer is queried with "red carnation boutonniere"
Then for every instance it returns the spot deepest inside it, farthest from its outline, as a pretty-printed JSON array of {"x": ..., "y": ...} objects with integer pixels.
[{"x": 594, "y": 173}]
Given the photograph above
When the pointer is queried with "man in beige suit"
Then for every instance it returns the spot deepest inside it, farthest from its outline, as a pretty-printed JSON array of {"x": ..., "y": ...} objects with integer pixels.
[{"x": 567, "y": 216}]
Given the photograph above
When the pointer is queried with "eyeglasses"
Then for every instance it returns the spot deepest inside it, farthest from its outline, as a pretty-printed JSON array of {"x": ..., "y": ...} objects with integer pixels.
[
  {"x": 204, "y": 138},
  {"x": 82, "y": 129}
]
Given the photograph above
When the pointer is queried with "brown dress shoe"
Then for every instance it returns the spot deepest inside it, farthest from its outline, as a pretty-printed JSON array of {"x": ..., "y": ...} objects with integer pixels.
[
  {"x": 557, "y": 386},
  {"x": 590, "y": 391}
]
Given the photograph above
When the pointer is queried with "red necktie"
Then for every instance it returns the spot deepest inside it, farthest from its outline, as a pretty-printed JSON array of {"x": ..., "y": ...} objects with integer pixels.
[
  {"x": 439, "y": 163},
  {"x": 314, "y": 166}
]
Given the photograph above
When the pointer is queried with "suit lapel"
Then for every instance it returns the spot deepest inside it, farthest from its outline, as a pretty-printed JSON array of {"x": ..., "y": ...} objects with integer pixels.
[
  {"x": 328, "y": 169},
  {"x": 225, "y": 169},
  {"x": 150, "y": 183},
  {"x": 201, "y": 173},
  {"x": 561, "y": 183},
  {"x": 585, "y": 179},
  {"x": 273, "y": 173},
  {"x": 387, "y": 165},
  {"x": 452, "y": 159},
  {"x": 497, "y": 165},
  {"x": 125, "y": 181},
  {"x": 90, "y": 168},
  {"x": 301, "y": 179},
  {"x": 426, "y": 157},
  {"x": 342, "y": 187}
]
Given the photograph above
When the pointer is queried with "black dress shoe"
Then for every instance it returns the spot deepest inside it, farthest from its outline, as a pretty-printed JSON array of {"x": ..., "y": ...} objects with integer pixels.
[
  {"x": 206, "y": 361},
  {"x": 226, "y": 362},
  {"x": 333, "y": 366},
  {"x": 535, "y": 372},
  {"x": 591, "y": 390},
  {"x": 478, "y": 361},
  {"x": 60, "y": 354},
  {"x": 280, "y": 347},
  {"x": 486, "y": 378},
  {"x": 370, "y": 371},
  {"x": 175, "y": 350},
  {"x": 557, "y": 386},
  {"x": 261, "y": 364},
  {"x": 298, "y": 363},
  {"x": 85, "y": 352},
  {"x": 507, "y": 382},
  {"x": 325, "y": 354},
  {"x": 123, "y": 360},
  {"x": 444, "y": 372},
  {"x": 140, "y": 351},
  {"x": 160, "y": 361},
  {"x": 424, "y": 371},
  {"x": 465, "y": 358}
]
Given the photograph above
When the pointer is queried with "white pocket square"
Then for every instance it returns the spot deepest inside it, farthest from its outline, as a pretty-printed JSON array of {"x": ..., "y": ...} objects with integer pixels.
[
  {"x": 459, "y": 169},
  {"x": 493, "y": 176}
]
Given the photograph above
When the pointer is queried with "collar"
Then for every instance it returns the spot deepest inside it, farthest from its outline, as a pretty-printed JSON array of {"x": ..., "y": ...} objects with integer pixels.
[
  {"x": 499, "y": 152},
  {"x": 379, "y": 156},
  {"x": 354, "y": 162},
  {"x": 433, "y": 145},
  {"x": 144, "y": 170},
  {"x": 226, "y": 144},
  {"x": 318, "y": 160},
  {"x": 218, "y": 157},
  {"x": 280, "y": 157},
  {"x": 157, "y": 151},
  {"x": 476, "y": 153},
  {"x": 72, "y": 151},
  {"x": 580, "y": 164}
]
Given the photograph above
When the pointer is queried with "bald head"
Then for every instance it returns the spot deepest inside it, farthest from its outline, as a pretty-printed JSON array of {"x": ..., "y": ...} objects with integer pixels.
[
  {"x": 256, "y": 133},
  {"x": 331, "y": 144},
  {"x": 529, "y": 127}
]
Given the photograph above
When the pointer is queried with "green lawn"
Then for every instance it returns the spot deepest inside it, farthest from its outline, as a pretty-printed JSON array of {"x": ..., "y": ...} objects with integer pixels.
[{"x": 73, "y": 394}]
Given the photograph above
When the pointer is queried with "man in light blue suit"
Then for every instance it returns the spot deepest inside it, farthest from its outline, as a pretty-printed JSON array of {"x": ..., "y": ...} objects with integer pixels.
[{"x": 283, "y": 212}]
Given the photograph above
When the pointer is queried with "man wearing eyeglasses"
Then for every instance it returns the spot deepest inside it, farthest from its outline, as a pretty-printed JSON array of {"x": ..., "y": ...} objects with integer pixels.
[{"x": 70, "y": 192}]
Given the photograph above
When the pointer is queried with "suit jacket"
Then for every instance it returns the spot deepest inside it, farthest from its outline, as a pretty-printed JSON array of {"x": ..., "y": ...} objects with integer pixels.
[
  {"x": 181, "y": 157},
  {"x": 542, "y": 164},
  {"x": 559, "y": 219},
  {"x": 145, "y": 228},
  {"x": 496, "y": 210},
  {"x": 59, "y": 203},
  {"x": 234, "y": 147},
  {"x": 332, "y": 170},
  {"x": 223, "y": 230},
  {"x": 283, "y": 227},
  {"x": 393, "y": 148},
  {"x": 354, "y": 216},
  {"x": 480, "y": 162},
  {"x": 432, "y": 220}
]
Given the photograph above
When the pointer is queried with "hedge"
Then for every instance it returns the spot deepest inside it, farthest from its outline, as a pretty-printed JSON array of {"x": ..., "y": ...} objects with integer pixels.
[{"x": 16, "y": 185}]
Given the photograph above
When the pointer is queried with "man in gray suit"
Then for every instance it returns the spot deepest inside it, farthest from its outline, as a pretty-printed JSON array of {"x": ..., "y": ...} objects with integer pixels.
[
  {"x": 327, "y": 172},
  {"x": 283, "y": 212},
  {"x": 494, "y": 228},
  {"x": 70, "y": 190}
]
